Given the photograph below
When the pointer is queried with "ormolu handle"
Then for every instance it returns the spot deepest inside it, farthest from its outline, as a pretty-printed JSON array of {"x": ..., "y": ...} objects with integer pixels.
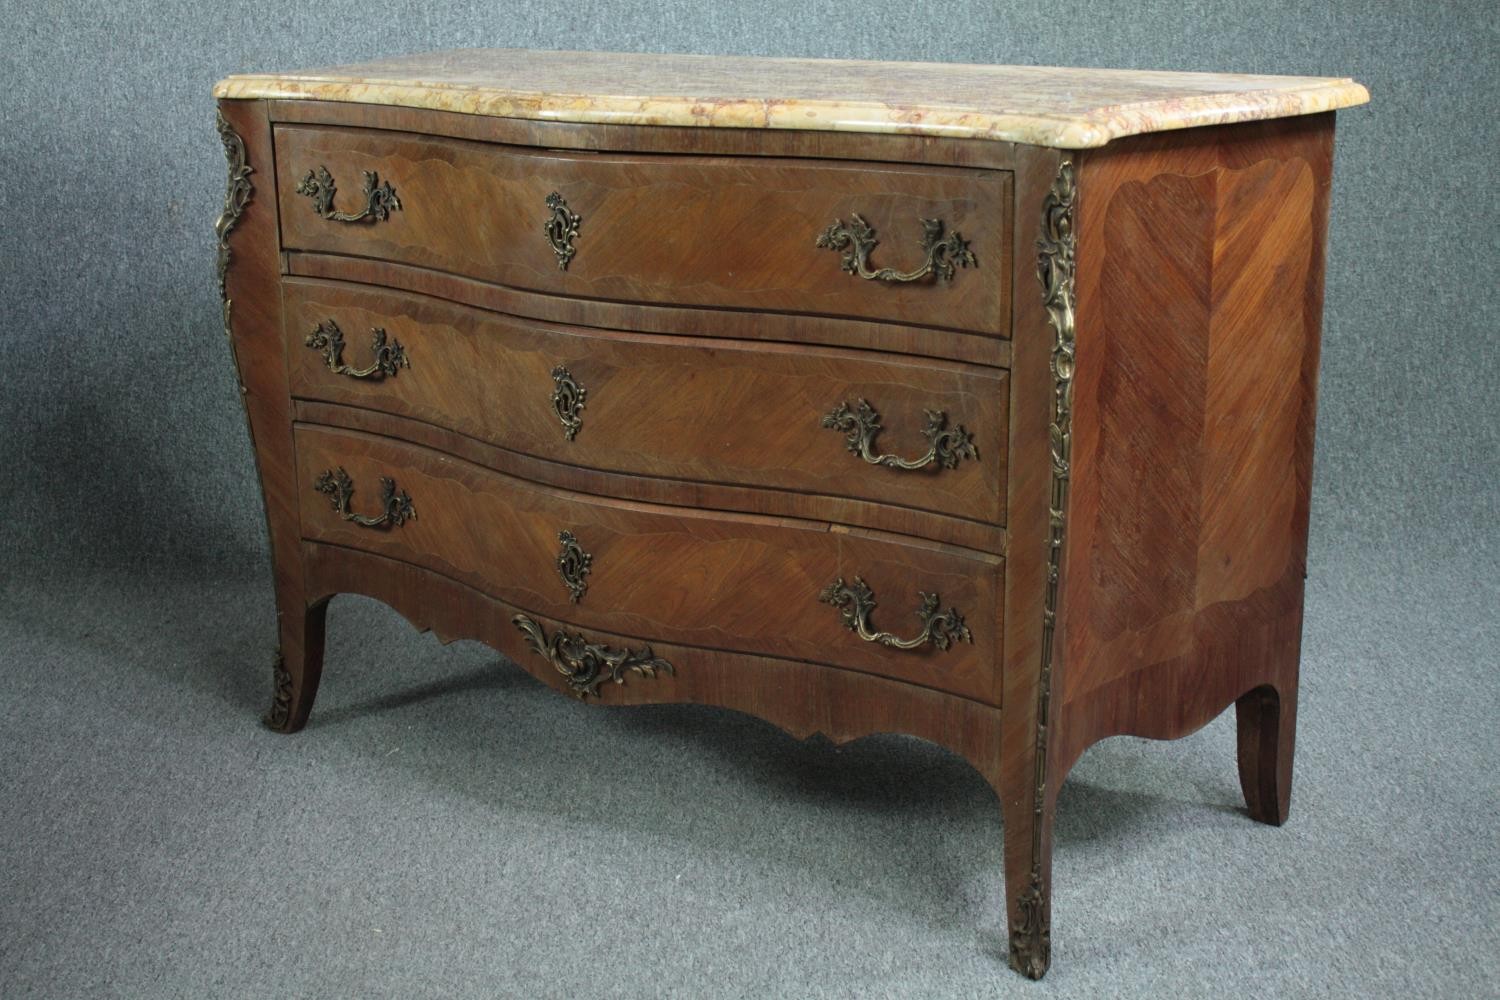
[
  {"x": 328, "y": 339},
  {"x": 861, "y": 425},
  {"x": 856, "y": 240},
  {"x": 396, "y": 508},
  {"x": 855, "y": 601},
  {"x": 380, "y": 199}
]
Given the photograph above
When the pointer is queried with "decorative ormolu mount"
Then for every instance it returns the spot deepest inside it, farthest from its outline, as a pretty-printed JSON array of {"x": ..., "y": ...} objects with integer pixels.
[
  {"x": 855, "y": 601},
  {"x": 1031, "y": 938},
  {"x": 567, "y": 400},
  {"x": 380, "y": 199},
  {"x": 573, "y": 564},
  {"x": 395, "y": 508},
  {"x": 281, "y": 695},
  {"x": 861, "y": 424},
  {"x": 328, "y": 339},
  {"x": 586, "y": 665},
  {"x": 237, "y": 194},
  {"x": 856, "y": 241},
  {"x": 561, "y": 229},
  {"x": 237, "y": 191}
]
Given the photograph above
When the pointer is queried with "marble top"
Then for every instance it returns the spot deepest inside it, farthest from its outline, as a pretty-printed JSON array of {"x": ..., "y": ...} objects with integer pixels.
[{"x": 1038, "y": 105}]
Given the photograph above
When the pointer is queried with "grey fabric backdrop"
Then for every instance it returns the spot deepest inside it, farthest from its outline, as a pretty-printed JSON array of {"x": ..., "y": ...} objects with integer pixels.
[
  {"x": 122, "y": 438},
  {"x": 135, "y": 615}
]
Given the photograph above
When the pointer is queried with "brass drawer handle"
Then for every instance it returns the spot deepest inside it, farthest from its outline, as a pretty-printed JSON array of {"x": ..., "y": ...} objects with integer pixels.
[
  {"x": 567, "y": 399},
  {"x": 573, "y": 564},
  {"x": 561, "y": 229},
  {"x": 380, "y": 199},
  {"x": 586, "y": 664},
  {"x": 328, "y": 339},
  {"x": 396, "y": 508},
  {"x": 856, "y": 240},
  {"x": 855, "y": 601},
  {"x": 861, "y": 425}
]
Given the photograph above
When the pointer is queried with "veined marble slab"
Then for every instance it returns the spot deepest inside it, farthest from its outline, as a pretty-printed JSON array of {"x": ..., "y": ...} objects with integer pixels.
[{"x": 1037, "y": 105}]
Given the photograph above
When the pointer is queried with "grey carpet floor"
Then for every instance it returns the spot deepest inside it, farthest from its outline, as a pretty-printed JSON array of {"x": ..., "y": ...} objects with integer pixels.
[{"x": 448, "y": 827}]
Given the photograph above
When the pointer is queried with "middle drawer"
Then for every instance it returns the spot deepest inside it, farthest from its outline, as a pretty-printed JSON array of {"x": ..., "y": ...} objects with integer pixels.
[{"x": 761, "y": 415}]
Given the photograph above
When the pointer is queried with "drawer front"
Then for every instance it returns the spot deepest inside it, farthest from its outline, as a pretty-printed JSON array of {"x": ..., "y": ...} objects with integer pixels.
[
  {"x": 735, "y": 582},
  {"x": 672, "y": 407},
  {"x": 684, "y": 230}
]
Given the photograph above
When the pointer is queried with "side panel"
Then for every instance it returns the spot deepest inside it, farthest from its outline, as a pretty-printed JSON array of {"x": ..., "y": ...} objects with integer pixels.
[{"x": 1199, "y": 286}]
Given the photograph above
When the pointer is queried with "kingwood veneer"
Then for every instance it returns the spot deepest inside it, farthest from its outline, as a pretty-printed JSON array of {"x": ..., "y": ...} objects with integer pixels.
[{"x": 659, "y": 394}]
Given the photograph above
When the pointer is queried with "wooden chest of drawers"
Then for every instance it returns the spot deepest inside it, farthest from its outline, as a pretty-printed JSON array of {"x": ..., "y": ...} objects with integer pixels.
[{"x": 986, "y": 418}]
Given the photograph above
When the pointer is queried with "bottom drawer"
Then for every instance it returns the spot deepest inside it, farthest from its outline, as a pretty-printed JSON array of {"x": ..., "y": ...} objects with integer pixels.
[{"x": 726, "y": 581}]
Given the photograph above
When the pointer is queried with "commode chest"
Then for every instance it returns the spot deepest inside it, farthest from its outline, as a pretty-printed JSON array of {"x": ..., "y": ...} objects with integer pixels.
[{"x": 968, "y": 402}]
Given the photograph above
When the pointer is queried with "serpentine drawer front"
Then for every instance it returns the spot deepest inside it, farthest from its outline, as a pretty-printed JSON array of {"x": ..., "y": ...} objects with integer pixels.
[
  {"x": 724, "y": 231},
  {"x": 689, "y": 577},
  {"x": 974, "y": 403},
  {"x": 719, "y": 411}
]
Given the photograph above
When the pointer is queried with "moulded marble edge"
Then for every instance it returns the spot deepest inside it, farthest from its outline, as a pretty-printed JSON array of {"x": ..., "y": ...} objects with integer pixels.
[{"x": 1083, "y": 130}]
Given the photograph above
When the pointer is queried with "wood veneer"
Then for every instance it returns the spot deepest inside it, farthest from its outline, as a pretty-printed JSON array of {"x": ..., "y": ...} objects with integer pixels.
[{"x": 1188, "y": 550}]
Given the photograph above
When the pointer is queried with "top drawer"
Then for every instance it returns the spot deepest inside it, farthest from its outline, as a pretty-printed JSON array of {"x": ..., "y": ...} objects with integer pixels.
[{"x": 683, "y": 230}]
